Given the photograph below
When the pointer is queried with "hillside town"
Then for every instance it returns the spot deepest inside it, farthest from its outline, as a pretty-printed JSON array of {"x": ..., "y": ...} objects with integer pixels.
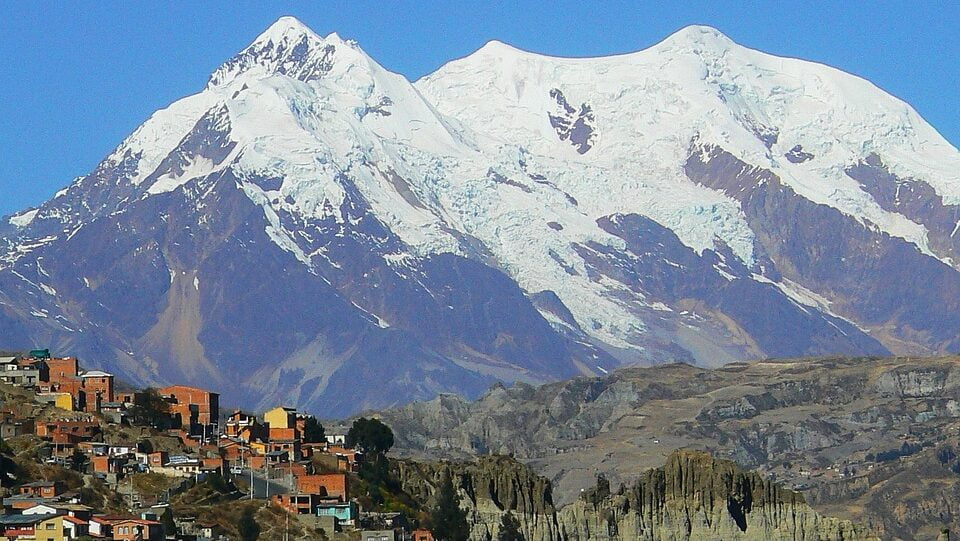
[{"x": 137, "y": 458}]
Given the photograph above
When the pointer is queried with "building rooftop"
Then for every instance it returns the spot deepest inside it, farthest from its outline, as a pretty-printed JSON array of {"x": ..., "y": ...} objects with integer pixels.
[
  {"x": 95, "y": 374},
  {"x": 17, "y": 520},
  {"x": 37, "y": 484}
]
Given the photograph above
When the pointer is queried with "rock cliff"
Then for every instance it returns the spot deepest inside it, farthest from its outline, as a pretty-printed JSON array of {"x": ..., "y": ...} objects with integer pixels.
[
  {"x": 695, "y": 497},
  {"x": 692, "y": 497}
]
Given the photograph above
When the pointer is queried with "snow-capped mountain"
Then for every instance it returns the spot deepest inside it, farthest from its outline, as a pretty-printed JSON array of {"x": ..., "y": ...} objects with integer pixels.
[{"x": 314, "y": 229}]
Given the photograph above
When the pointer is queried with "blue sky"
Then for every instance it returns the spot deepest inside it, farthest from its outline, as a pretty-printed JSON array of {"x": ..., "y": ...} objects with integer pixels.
[{"x": 77, "y": 77}]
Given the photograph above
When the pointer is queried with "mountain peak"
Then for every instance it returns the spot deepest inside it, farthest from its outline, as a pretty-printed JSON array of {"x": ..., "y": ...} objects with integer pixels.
[
  {"x": 699, "y": 36},
  {"x": 285, "y": 28},
  {"x": 287, "y": 47}
]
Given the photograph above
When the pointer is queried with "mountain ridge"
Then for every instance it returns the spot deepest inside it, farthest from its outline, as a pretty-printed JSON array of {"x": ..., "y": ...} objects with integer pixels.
[{"x": 309, "y": 218}]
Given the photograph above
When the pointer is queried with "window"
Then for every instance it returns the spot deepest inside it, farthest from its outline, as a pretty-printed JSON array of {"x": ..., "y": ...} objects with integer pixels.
[{"x": 50, "y": 526}]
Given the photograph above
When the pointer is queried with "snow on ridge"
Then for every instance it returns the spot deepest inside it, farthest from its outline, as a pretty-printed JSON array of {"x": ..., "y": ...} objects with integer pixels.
[
  {"x": 650, "y": 104},
  {"x": 23, "y": 219}
]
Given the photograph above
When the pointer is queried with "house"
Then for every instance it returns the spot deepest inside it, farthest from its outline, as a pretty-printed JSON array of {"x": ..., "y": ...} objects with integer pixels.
[
  {"x": 62, "y": 369},
  {"x": 109, "y": 464},
  {"x": 34, "y": 527},
  {"x": 74, "y": 527},
  {"x": 75, "y": 510},
  {"x": 348, "y": 459},
  {"x": 63, "y": 401},
  {"x": 330, "y": 485},
  {"x": 181, "y": 468},
  {"x": 99, "y": 388},
  {"x": 21, "y": 372},
  {"x": 123, "y": 449},
  {"x": 286, "y": 440},
  {"x": 102, "y": 525},
  {"x": 239, "y": 422},
  {"x": 232, "y": 451},
  {"x": 343, "y": 512},
  {"x": 421, "y": 535},
  {"x": 94, "y": 448},
  {"x": 291, "y": 470},
  {"x": 83, "y": 428},
  {"x": 378, "y": 535},
  {"x": 157, "y": 459},
  {"x": 281, "y": 417},
  {"x": 197, "y": 409},
  {"x": 136, "y": 529},
  {"x": 41, "y": 489},
  {"x": 337, "y": 438},
  {"x": 309, "y": 450},
  {"x": 277, "y": 457},
  {"x": 298, "y": 504},
  {"x": 116, "y": 412},
  {"x": 327, "y": 462},
  {"x": 212, "y": 465},
  {"x": 10, "y": 425}
]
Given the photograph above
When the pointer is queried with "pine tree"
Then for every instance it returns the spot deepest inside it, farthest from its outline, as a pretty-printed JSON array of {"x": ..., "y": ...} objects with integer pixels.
[
  {"x": 313, "y": 431},
  {"x": 248, "y": 528},
  {"x": 448, "y": 521},
  {"x": 509, "y": 528},
  {"x": 78, "y": 461},
  {"x": 169, "y": 525}
]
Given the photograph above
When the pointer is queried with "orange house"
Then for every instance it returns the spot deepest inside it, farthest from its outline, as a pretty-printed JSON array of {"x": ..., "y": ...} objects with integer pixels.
[
  {"x": 422, "y": 535},
  {"x": 212, "y": 464},
  {"x": 286, "y": 440},
  {"x": 197, "y": 408},
  {"x": 62, "y": 369},
  {"x": 137, "y": 530},
  {"x": 98, "y": 387},
  {"x": 331, "y": 485},
  {"x": 81, "y": 428},
  {"x": 42, "y": 489},
  {"x": 298, "y": 504},
  {"x": 157, "y": 459}
]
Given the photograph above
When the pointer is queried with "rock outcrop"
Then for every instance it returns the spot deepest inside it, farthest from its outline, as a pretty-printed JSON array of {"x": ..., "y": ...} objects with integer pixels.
[
  {"x": 695, "y": 497},
  {"x": 489, "y": 487},
  {"x": 692, "y": 497}
]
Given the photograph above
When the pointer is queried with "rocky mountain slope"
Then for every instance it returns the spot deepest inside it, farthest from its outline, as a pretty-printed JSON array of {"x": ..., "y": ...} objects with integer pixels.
[
  {"x": 692, "y": 497},
  {"x": 309, "y": 220},
  {"x": 873, "y": 440}
]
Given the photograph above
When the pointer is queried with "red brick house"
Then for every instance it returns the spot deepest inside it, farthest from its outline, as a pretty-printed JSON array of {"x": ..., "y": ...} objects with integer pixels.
[
  {"x": 137, "y": 530},
  {"x": 329, "y": 485},
  {"x": 42, "y": 489},
  {"x": 198, "y": 409},
  {"x": 422, "y": 535},
  {"x": 81, "y": 428}
]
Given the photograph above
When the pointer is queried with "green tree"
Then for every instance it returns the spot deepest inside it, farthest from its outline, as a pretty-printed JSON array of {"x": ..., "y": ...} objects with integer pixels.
[
  {"x": 313, "y": 431},
  {"x": 509, "y": 528},
  {"x": 169, "y": 526},
  {"x": 78, "y": 461},
  {"x": 370, "y": 435},
  {"x": 151, "y": 409},
  {"x": 448, "y": 521},
  {"x": 247, "y": 527}
]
